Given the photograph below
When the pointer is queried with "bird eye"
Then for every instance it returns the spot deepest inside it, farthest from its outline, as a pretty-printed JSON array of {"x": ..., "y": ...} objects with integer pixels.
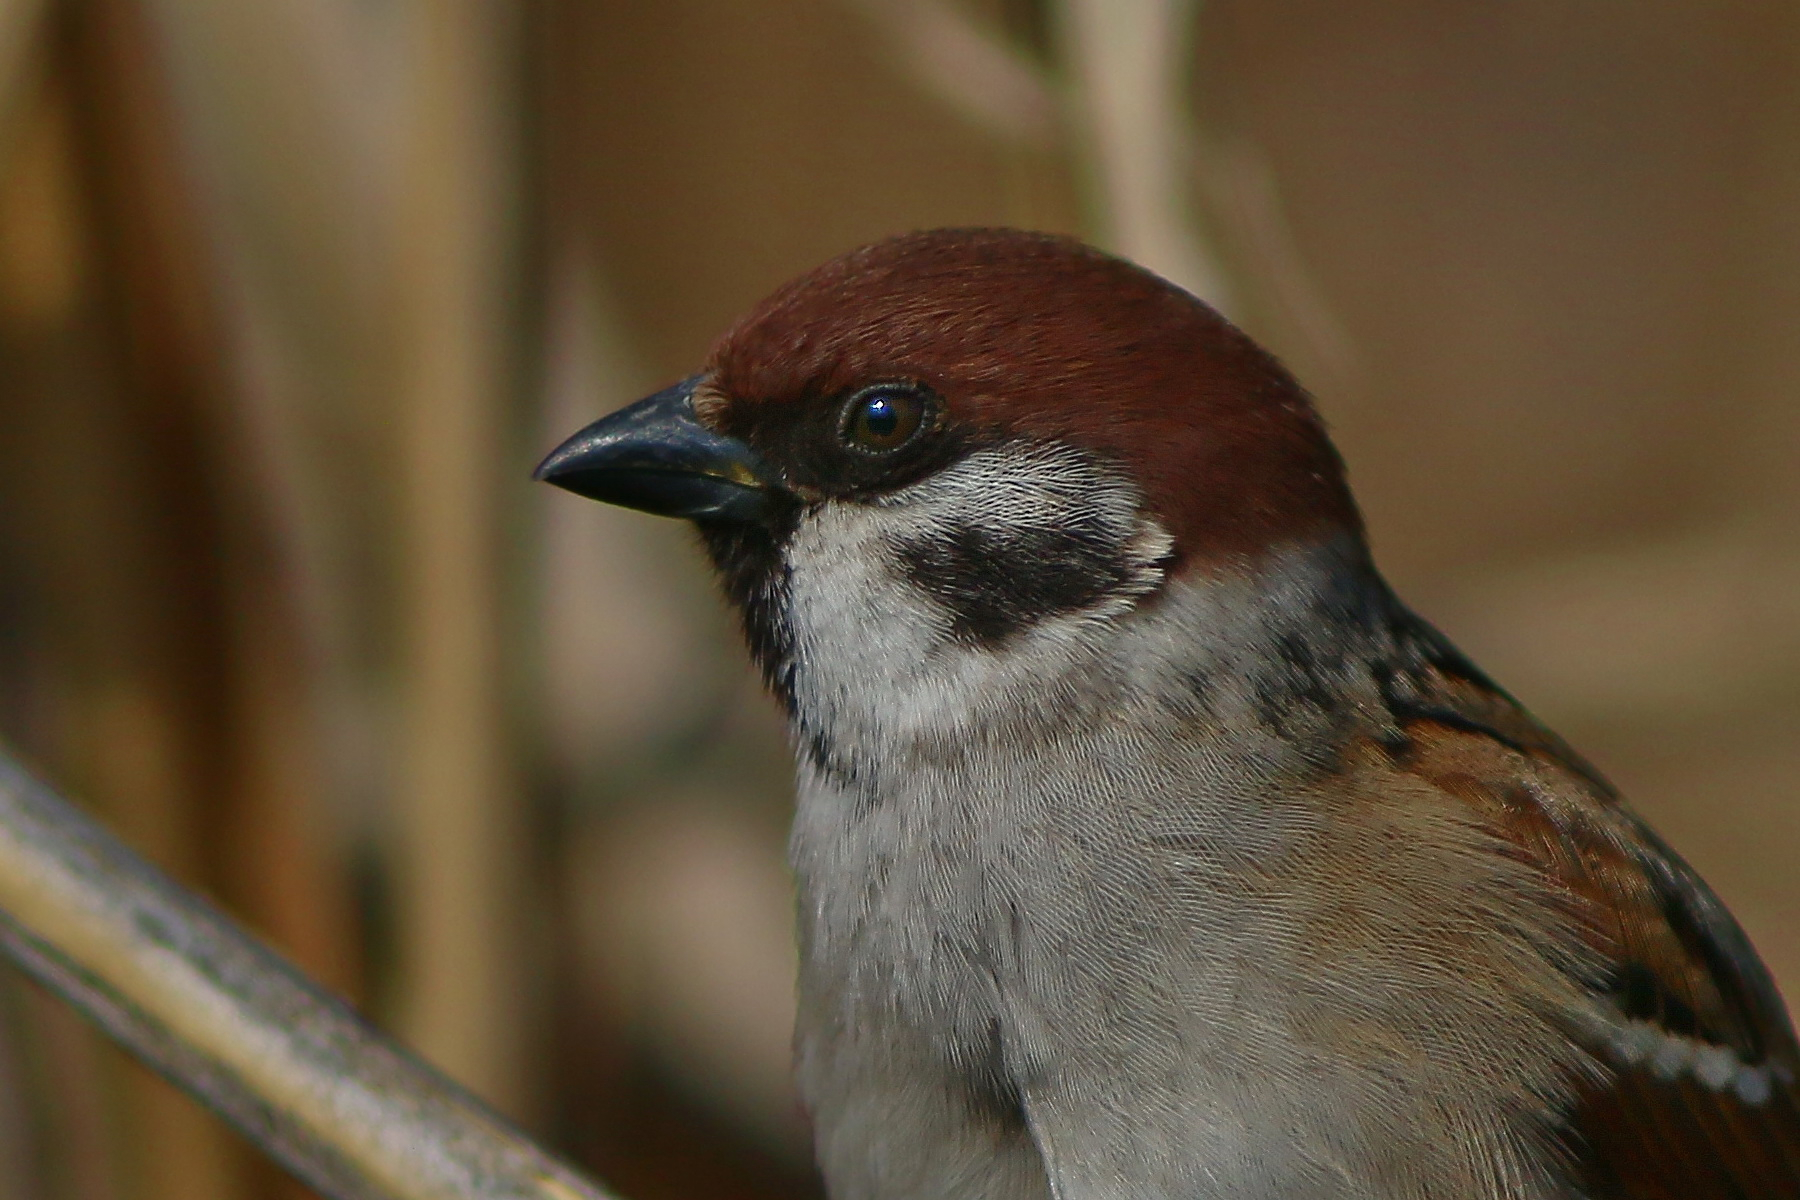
[{"x": 880, "y": 419}]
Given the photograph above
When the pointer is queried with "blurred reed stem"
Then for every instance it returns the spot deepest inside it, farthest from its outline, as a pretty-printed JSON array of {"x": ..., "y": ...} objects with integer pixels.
[
  {"x": 289, "y": 1065},
  {"x": 1129, "y": 63},
  {"x": 458, "y": 836},
  {"x": 167, "y": 578},
  {"x": 20, "y": 29}
]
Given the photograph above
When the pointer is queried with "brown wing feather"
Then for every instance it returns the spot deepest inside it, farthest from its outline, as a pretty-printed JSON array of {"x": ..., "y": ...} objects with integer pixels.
[
  {"x": 1646, "y": 1138},
  {"x": 1683, "y": 977}
]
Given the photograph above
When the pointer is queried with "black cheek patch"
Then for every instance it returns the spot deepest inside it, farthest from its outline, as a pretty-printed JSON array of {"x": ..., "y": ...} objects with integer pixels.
[{"x": 997, "y": 582}]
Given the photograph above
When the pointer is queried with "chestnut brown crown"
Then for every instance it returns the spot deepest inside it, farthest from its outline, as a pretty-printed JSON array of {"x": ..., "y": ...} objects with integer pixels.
[{"x": 1034, "y": 336}]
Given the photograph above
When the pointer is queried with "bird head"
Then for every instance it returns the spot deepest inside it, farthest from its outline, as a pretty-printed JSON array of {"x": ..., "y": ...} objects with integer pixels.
[{"x": 957, "y": 450}]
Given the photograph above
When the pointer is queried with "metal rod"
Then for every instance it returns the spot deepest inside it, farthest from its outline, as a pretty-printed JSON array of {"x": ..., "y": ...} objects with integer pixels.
[{"x": 184, "y": 988}]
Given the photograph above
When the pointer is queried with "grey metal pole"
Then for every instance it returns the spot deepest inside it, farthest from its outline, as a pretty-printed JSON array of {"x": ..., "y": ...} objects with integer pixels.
[{"x": 294, "y": 1068}]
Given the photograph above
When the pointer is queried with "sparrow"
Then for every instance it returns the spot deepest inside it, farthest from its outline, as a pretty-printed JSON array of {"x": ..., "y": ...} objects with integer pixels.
[{"x": 1147, "y": 845}]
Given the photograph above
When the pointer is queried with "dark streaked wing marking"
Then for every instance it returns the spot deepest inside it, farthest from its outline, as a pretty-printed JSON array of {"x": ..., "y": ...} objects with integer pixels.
[{"x": 1703, "y": 1102}]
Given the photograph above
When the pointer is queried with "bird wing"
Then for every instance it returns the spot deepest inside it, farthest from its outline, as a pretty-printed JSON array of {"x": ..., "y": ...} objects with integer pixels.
[{"x": 1702, "y": 1101}]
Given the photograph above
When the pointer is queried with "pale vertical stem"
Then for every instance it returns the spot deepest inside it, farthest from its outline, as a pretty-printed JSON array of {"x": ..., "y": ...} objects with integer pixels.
[
  {"x": 1128, "y": 63},
  {"x": 458, "y": 830},
  {"x": 975, "y": 70}
]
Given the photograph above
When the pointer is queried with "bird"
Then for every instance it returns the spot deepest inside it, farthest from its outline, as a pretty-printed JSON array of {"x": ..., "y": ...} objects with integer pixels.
[{"x": 1146, "y": 844}]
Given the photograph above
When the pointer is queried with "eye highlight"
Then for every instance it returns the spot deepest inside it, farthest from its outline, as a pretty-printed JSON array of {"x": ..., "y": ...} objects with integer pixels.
[{"x": 883, "y": 418}]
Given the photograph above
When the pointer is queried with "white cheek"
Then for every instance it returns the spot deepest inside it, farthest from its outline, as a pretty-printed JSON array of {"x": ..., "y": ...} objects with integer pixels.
[
  {"x": 849, "y": 605},
  {"x": 876, "y": 658}
]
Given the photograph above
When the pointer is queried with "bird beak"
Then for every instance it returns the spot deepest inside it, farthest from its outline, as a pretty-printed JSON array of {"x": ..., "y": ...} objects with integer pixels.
[{"x": 656, "y": 456}]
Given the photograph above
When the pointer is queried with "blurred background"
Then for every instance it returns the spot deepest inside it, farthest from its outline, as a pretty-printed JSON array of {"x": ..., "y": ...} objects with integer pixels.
[{"x": 293, "y": 295}]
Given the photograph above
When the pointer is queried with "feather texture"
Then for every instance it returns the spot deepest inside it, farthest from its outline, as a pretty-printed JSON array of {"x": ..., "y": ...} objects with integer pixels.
[{"x": 1701, "y": 1101}]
